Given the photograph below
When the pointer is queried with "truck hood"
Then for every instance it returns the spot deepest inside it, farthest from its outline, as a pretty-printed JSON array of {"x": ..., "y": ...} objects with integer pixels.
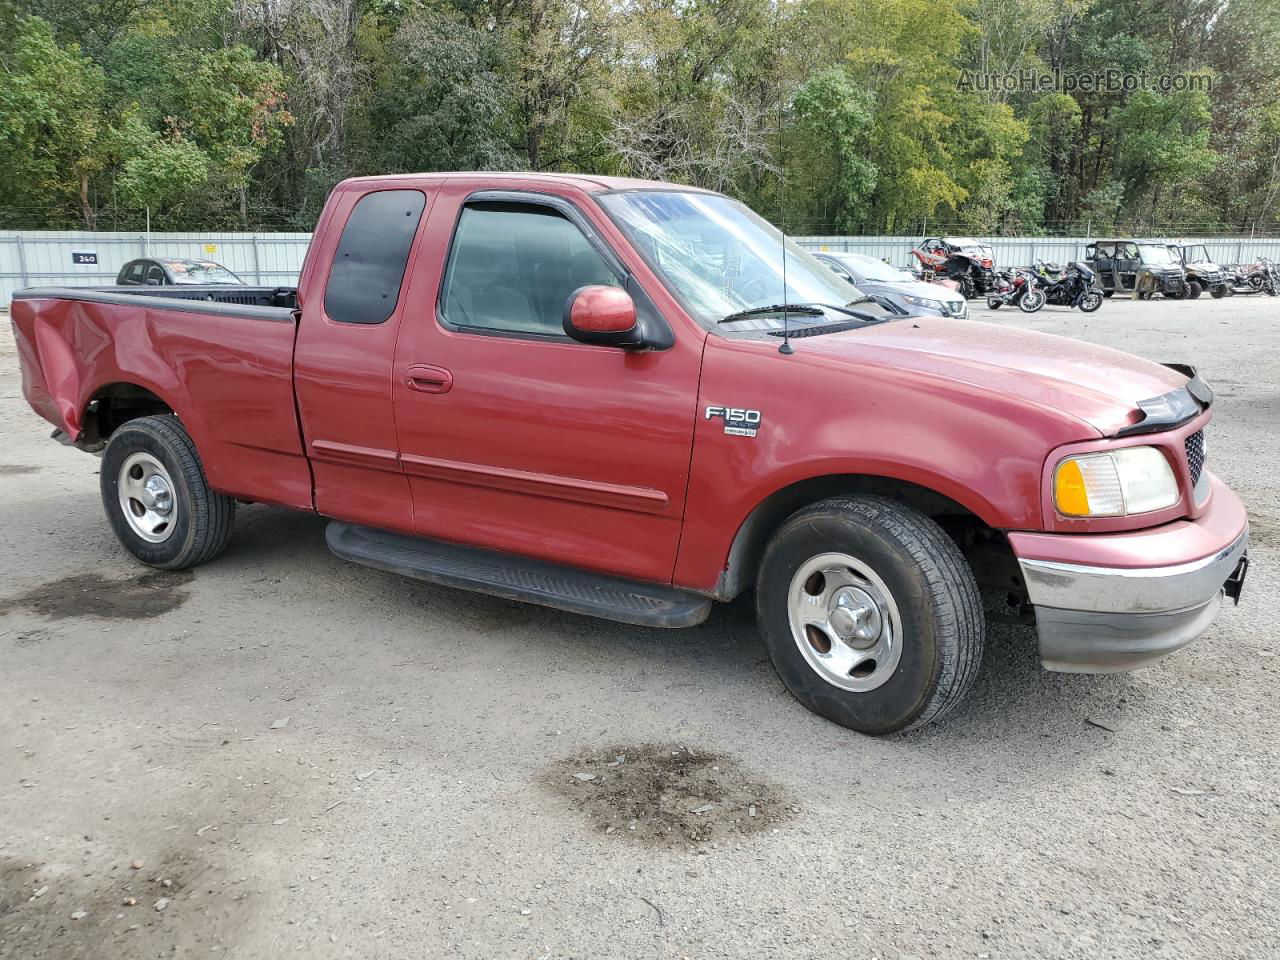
[{"x": 1097, "y": 385}]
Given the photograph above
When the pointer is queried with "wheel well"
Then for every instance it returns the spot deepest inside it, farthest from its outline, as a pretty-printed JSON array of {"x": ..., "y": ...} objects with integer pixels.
[
  {"x": 113, "y": 406},
  {"x": 987, "y": 549}
]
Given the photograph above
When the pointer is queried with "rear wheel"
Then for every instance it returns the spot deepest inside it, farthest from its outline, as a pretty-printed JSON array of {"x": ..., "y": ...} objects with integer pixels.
[
  {"x": 1108, "y": 293},
  {"x": 993, "y": 303},
  {"x": 1219, "y": 292},
  {"x": 157, "y": 498},
  {"x": 870, "y": 613}
]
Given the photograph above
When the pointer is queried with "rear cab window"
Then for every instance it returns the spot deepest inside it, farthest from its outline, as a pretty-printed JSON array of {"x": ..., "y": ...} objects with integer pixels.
[{"x": 373, "y": 251}]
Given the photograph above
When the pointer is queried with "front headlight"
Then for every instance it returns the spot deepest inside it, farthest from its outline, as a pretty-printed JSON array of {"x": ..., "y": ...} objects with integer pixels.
[
  {"x": 922, "y": 302},
  {"x": 1115, "y": 484}
]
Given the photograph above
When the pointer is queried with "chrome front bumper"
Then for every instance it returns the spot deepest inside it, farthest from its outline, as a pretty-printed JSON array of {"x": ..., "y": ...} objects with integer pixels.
[{"x": 1108, "y": 619}]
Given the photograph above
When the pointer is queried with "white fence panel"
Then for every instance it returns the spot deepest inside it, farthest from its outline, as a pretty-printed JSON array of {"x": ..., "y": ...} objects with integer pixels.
[
  {"x": 44, "y": 258},
  {"x": 47, "y": 259}
]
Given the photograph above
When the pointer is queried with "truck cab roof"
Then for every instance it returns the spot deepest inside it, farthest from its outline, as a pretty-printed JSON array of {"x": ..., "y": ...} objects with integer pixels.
[{"x": 486, "y": 178}]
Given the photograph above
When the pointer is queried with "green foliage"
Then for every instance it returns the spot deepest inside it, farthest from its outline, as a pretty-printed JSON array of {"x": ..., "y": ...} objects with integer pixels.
[
  {"x": 156, "y": 170},
  {"x": 51, "y": 118},
  {"x": 223, "y": 113},
  {"x": 441, "y": 101},
  {"x": 831, "y": 142}
]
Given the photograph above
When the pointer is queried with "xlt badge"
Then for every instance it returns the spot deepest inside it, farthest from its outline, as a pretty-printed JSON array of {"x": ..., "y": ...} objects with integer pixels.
[{"x": 738, "y": 421}]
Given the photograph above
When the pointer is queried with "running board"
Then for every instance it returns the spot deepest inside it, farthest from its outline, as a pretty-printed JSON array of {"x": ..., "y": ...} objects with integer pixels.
[{"x": 518, "y": 578}]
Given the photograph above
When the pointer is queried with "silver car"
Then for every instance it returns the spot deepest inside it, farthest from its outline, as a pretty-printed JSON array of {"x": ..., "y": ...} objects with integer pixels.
[{"x": 876, "y": 278}]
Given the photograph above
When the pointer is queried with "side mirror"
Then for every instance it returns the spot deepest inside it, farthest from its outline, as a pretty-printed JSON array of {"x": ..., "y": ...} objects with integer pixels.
[{"x": 603, "y": 315}]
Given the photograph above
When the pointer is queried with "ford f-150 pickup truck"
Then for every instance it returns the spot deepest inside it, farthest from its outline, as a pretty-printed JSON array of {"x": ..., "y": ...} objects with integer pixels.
[{"x": 632, "y": 399}]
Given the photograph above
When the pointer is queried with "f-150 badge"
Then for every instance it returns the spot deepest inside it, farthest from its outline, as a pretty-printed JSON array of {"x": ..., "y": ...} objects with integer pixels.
[{"x": 738, "y": 422}]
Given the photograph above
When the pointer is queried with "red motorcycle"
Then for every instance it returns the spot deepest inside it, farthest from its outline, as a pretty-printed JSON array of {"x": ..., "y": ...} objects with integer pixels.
[{"x": 1016, "y": 288}]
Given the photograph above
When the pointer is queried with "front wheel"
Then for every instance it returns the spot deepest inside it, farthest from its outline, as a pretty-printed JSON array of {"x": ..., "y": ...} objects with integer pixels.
[
  {"x": 870, "y": 613},
  {"x": 1194, "y": 289},
  {"x": 1032, "y": 300},
  {"x": 157, "y": 498},
  {"x": 1091, "y": 301}
]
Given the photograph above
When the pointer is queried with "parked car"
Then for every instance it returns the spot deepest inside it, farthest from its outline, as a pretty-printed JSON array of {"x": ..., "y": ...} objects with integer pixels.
[
  {"x": 877, "y": 279},
  {"x": 174, "y": 271},
  {"x": 970, "y": 263},
  {"x": 619, "y": 398},
  {"x": 1201, "y": 272},
  {"x": 1120, "y": 265}
]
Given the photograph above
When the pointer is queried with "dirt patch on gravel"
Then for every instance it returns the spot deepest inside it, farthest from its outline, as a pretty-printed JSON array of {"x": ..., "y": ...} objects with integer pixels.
[
  {"x": 16, "y": 470},
  {"x": 57, "y": 910},
  {"x": 91, "y": 595},
  {"x": 667, "y": 796}
]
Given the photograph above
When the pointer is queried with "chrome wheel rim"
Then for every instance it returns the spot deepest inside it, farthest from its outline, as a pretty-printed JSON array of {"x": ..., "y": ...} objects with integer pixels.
[
  {"x": 146, "y": 497},
  {"x": 845, "y": 622}
]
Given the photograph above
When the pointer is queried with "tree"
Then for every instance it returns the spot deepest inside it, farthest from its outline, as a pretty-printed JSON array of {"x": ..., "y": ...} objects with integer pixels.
[
  {"x": 51, "y": 121},
  {"x": 440, "y": 100},
  {"x": 831, "y": 137}
]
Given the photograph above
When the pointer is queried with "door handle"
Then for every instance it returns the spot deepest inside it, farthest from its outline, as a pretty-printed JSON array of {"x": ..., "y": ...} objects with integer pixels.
[{"x": 428, "y": 379}]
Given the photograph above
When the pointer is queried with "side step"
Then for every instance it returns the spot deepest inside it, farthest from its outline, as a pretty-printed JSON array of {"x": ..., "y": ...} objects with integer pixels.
[{"x": 518, "y": 578}]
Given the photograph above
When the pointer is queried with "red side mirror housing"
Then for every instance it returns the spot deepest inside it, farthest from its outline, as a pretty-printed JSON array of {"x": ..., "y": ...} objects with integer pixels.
[{"x": 602, "y": 315}]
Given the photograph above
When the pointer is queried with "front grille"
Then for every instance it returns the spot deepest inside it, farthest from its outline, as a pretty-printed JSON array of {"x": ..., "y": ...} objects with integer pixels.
[{"x": 1195, "y": 455}]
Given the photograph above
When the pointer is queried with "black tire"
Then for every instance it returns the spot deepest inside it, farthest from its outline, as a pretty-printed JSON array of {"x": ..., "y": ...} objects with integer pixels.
[
  {"x": 203, "y": 519},
  {"x": 937, "y": 599},
  {"x": 1032, "y": 300},
  {"x": 1194, "y": 289},
  {"x": 1219, "y": 292},
  {"x": 1108, "y": 293},
  {"x": 993, "y": 303},
  {"x": 1090, "y": 302}
]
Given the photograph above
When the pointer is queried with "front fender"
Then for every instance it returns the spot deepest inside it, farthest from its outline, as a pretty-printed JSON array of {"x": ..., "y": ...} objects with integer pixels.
[{"x": 982, "y": 449}]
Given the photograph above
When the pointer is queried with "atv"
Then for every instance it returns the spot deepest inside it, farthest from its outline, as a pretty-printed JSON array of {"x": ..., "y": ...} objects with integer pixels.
[
  {"x": 970, "y": 263},
  {"x": 1201, "y": 272}
]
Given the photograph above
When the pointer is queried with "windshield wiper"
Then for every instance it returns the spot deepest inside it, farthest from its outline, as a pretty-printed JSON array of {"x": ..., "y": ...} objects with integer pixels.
[
  {"x": 798, "y": 308},
  {"x": 859, "y": 313}
]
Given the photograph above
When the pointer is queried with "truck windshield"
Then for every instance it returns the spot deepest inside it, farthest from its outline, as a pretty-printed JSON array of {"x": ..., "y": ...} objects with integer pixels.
[{"x": 719, "y": 258}]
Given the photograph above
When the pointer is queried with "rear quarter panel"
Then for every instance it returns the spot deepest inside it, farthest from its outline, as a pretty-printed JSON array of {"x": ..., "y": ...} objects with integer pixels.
[{"x": 227, "y": 377}]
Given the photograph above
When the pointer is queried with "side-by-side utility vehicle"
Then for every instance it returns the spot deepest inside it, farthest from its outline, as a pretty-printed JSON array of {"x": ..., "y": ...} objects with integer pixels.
[{"x": 599, "y": 395}]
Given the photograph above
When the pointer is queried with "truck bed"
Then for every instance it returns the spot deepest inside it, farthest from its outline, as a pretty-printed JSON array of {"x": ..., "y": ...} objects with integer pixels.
[{"x": 221, "y": 355}]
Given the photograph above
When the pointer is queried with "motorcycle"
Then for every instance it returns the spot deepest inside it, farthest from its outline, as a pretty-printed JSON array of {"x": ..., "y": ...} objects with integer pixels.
[
  {"x": 1073, "y": 286},
  {"x": 1264, "y": 277},
  {"x": 1016, "y": 288}
]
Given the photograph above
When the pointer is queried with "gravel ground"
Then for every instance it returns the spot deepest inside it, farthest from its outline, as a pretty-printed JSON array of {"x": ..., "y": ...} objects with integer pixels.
[{"x": 283, "y": 754}]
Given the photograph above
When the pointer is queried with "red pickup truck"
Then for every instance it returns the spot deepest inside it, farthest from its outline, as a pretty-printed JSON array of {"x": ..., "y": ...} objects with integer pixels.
[{"x": 621, "y": 398}]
